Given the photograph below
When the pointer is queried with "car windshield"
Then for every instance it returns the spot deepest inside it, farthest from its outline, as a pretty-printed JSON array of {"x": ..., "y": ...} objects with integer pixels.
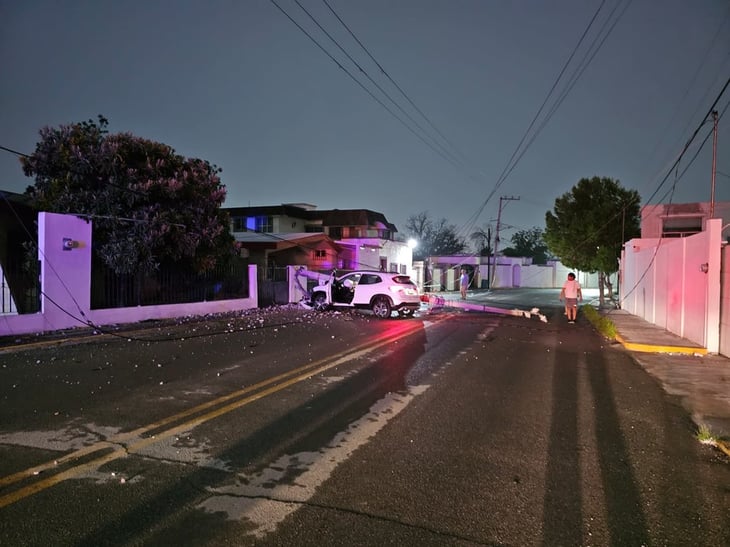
[{"x": 403, "y": 280}]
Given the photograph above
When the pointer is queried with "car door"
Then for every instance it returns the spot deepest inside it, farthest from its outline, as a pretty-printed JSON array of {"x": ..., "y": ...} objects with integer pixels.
[
  {"x": 348, "y": 288},
  {"x": 368, "y": 285}
]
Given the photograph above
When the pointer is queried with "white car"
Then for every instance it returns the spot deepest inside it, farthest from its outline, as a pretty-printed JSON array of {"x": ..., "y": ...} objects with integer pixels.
[{"x": 381, "y": 292}]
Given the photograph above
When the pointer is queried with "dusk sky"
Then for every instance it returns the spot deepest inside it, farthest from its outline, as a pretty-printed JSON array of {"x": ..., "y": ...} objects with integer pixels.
[{"x": 237, "y": 83}]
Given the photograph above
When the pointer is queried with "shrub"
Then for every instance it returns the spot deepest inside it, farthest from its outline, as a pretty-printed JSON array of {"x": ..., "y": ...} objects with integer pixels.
[{"x": 601, "y": 323}]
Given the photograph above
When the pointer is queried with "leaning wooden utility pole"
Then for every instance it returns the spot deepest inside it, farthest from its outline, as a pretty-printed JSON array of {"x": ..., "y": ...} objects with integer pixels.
[{"x": 496, "y": 237}]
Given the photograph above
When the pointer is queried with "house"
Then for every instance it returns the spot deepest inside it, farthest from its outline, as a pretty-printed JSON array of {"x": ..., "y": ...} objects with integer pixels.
[
  {"x": 300, "y": 234},
  {"x": 681, "y": 219}
]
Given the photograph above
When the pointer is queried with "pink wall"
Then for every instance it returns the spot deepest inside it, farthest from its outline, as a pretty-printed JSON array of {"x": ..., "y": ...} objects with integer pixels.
[
  {"x": 66, "y": 284},
  {"x": 662, "y": 281}
]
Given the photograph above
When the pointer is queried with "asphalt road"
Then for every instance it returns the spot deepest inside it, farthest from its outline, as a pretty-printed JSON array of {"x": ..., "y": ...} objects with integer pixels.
[{"x": 286, "y": 427}]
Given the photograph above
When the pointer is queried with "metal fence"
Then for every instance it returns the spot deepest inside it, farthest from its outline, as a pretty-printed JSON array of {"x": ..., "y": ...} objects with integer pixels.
[
  {"x": 167, "y": 285},
  {"x": 20, "y": 289}
]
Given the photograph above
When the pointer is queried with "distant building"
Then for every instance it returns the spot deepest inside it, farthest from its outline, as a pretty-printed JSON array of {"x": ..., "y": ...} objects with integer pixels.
[{"x": 322, "y": 240}]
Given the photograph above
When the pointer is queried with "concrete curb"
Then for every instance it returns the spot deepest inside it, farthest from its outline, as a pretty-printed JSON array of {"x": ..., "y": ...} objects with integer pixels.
[
  {"x": 722, "y": 446},
  {"x": 652, "y": 348}
]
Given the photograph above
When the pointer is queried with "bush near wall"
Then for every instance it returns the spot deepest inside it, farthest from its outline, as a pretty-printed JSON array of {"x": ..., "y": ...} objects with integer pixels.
[{"x": 601, "y": 323}]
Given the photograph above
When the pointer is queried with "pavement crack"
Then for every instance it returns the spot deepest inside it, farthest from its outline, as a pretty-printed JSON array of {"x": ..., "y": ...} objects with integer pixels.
[{"x": 360, "y": 513}]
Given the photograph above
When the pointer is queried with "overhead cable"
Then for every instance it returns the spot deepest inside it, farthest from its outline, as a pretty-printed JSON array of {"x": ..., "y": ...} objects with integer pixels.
[{"x": 364, "y": 88}]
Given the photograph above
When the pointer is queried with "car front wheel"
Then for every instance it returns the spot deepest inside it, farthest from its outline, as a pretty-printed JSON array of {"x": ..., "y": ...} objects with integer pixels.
[
  {"x": 381, "y": 307},
  {"x": 320, "y": 302}
]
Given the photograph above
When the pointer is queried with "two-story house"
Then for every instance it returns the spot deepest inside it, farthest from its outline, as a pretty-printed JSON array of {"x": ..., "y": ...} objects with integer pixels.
[{"x": 300, "y": 234}]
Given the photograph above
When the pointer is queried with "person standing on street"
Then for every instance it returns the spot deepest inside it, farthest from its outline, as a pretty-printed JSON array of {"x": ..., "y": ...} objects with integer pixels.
[
  {"x": 571, "y": 293},
  {"x": 463, "y": 283}
]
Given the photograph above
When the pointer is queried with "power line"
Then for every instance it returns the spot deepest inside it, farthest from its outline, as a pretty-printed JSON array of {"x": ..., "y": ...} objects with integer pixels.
[
  {"x": 363, "y": 87},
  {"x": 677, "y": 175},
  {"x": 6, "y": 149},
  {"x": 395, "y": 84},
  {"x": 577, "y": 73},
  {"x": 81, "y": 317},
  {"x": 519, "y": 151},
  {"x": 453, "y": 159},
  {"x": 693, "y": 79}
]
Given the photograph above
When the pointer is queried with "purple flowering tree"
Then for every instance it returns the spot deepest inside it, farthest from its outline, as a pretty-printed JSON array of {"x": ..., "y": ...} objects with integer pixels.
[{"x": 149, "y": 205}]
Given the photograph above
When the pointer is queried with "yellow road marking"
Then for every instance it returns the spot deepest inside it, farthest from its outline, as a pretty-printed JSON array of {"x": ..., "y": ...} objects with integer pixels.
[{"x": 294, "y": 376}]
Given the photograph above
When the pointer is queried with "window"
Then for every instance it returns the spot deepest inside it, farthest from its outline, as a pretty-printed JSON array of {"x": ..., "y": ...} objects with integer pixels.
[
  {"x": 238, "y": 224},
  {"x": 681, "y": 226},
  {"x": 263, "y": 224},
  {"x": 369, "y": 279},
  {"x": 335, "y": 232},
  {"x": 320, "y": 254},
  {"x": 355, "y": 232}
]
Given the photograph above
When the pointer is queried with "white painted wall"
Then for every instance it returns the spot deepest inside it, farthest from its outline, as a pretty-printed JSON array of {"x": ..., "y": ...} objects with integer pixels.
[
  {"x": 725, "y": 301},
  {"x": 511, "y": 272},
  {"x": 675, "y": 283},
  {"x": 66, "y": 286}
]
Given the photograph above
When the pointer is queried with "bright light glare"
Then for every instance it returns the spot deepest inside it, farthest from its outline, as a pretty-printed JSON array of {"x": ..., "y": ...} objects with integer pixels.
[{"x": 412, "y": 243}]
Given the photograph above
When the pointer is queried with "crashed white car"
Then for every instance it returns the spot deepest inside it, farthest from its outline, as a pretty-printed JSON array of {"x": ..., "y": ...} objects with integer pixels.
[{"x": 381, "y": 292}]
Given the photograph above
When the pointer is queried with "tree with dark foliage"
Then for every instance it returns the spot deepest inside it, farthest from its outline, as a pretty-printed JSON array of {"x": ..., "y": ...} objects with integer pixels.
[
  {"x": 528, "y": 243},
  {"x": 148, "y": 204},
  {"x": 434, "y": 237},
  {"x": 589, "y": 225}
]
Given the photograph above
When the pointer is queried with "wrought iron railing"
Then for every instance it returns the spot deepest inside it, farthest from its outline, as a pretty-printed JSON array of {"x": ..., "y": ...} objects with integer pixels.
[{"x": 167, "y": 285}]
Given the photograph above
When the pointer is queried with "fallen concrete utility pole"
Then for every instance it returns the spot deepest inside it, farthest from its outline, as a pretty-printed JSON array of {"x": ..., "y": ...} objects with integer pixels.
[{"x": 436, "y": 302}]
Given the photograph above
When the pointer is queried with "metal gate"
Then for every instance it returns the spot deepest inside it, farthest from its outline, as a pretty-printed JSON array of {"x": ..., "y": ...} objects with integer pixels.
[{"x": 273, "y": 286}]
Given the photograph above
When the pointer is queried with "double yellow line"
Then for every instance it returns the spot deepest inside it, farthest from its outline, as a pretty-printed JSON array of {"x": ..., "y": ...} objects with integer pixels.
[{"x": 185, "y": 421}]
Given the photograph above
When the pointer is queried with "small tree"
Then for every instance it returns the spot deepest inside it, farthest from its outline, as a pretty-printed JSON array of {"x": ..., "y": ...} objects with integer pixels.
[
  {"x": 482, "y": 239},
  {"x": 528, "y": 243},
  {"x": 149, "y": 205},
  {"x": 589, "y": 225},
  {"x": 434, "y": 237}
]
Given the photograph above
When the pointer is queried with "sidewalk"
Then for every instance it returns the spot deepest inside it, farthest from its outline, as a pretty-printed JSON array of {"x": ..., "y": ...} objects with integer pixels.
[{"x": 700, "y": 380}]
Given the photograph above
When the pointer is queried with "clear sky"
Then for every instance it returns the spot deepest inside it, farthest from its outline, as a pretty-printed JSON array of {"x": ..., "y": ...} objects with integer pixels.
[{"x": 235, "y": 82}]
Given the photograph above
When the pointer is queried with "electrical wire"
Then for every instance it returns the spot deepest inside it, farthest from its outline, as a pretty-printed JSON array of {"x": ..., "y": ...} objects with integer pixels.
[
  {"x": 692, "y": 81},
  {"x": 577, "y": 73},
  {"x": 677, "y": 177},
  {"x": 40, "y": 251},
  {"x": 519, "y": 151},
  {"x": 81, "y": 317},
  {"x": 454, "y": 161},
  {"x": 6, "y": 149},
  {"x": 395, "y": 84},
  {"x": 363, "y": 87}
]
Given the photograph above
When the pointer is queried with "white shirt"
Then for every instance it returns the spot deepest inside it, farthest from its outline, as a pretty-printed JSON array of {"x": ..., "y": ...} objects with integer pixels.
[{"x": 571, "y": 288}]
